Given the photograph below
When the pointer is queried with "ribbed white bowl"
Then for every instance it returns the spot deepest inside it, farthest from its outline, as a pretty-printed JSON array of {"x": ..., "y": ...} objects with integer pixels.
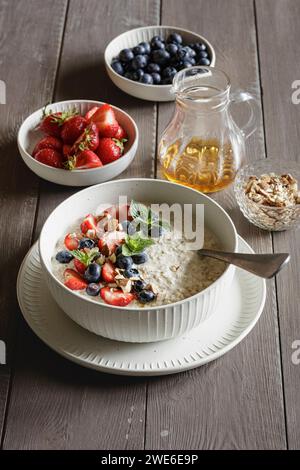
[
  {"x": 136, "y": 324},
  {"x": 133, "y": 38},
  {"x": 28, "y": 136}
]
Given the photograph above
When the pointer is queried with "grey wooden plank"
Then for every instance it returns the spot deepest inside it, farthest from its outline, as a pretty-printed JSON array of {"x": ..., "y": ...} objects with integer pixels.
[
  {"x": 279, "y": 48},
  {"x": 28, "y": 69},
  {"x": 55, "y": 404},
  {"x": 235, "y": 402}
]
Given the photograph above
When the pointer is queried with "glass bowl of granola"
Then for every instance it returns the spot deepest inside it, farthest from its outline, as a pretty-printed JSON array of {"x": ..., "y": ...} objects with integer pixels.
[{"x": 268, "y": 194}]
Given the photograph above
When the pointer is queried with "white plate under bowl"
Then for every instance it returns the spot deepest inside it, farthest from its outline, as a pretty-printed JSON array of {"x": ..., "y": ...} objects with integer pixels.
[
  {"x": 221, "y": 332},
  {"x": 133, "y": 38},
  {"x": 28, "y": 136}
]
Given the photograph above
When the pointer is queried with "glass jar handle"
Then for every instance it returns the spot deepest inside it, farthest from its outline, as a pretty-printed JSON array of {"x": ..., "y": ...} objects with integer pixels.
[{"x": 241, "y": 97}]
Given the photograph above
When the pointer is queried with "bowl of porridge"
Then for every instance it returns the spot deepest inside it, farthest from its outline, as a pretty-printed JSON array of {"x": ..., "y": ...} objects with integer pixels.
[{"x": 124, "y": 266}]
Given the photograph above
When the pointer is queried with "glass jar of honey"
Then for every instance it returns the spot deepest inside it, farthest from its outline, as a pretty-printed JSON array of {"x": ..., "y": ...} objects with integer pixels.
[{"x": 202, "y": 147}]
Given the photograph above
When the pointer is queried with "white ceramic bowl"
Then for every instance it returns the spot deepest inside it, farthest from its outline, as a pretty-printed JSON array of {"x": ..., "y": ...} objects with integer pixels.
[
  {"x": 136, "y": 324},
  {"x": 133, "y": 38},
  {"x": 28, "y": 137}
]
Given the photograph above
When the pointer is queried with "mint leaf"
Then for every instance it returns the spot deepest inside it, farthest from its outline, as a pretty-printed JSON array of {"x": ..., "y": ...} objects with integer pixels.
[
  {"x": 86, "y": 257},
  {"x": 136, "y": 244},
  {"x": 139, "y": 211},
  {"x": 165, "y": 225}
]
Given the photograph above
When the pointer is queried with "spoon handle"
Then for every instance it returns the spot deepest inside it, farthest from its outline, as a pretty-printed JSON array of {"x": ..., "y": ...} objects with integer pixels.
[{"x": 266, "y": 265}]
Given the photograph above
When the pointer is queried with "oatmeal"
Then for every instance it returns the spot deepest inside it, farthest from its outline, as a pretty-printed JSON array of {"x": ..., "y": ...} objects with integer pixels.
[{"x": 122, "y": 268}]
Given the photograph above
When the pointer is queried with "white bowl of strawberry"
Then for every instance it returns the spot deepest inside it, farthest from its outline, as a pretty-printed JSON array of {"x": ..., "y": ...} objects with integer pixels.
[
  {"x": 78, "y": 142},
  {"x": 120, "y": 284}
]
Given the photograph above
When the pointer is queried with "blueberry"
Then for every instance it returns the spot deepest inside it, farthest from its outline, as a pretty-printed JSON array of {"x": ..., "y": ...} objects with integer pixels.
[
  {"x": 202, "y": 55},
  {"x": 175, "y": 37},
  {"x": 139, "y": 62},
  {"x": 137, "y": 74},
  {"x": 138, "y": 50},
  {"x": 190, "y": 51},
  {"x": 156, "y": 78},
  {"x": 182, "y": 53},
  {"x": 139, "y": 285},
  {"x": 172, "y": 49},
  {"x": 199, "y": 47},
  {"x": 160, "y": 56},
  {"x": 204, "y": 61},
  {"x": 147, "y": 79},
  {"x": 126, "y": 55},
  {"x": 140, "y": 258},
  {"x": 93, "y": 273},
  {"x": 146, "y": 296},
  {"x": 86, "y": 243},
  {"x": 186, "y": 63},
  {"x": 124, "y": 262},
  {"x": 153, "y": 68},
  {"x": 146, "y": 47},
  {"x": 169, "y": 72},
  {"x": 131, "y": 272},
  {"x": 157, "y": 42},
  {"x": 131, "y": 228},
  {"x": 117, "y": 67},
  {"x": 64, "y": 257},
  {"x": 125, "y": 224},
  {"x": 93, "y": 289}
]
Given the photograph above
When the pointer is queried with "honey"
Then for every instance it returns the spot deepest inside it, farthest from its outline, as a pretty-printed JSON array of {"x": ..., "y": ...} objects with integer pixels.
[{"x": 202, "y": 164}]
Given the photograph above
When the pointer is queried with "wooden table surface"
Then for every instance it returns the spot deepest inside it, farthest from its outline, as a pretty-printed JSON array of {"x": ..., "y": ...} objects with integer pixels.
[{"x": 51, "y": 50}]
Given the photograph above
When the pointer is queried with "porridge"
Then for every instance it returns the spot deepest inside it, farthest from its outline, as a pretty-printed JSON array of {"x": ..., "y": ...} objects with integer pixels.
[{"x": 115, "y": 263}]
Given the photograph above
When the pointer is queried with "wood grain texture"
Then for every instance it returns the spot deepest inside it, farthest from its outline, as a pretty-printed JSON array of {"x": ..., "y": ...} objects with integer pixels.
[
  {"x": 279, "y": 49},
  {"x": 28, "y": 69},
  {"x": 54, "y": 404},
  {"x": 237, "y": 401}
]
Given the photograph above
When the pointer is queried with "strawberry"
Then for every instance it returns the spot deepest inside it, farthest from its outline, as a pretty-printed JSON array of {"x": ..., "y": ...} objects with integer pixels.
[
  {"x": 109, "y": 150},
  {"x": 73, "y": 128},
  {"x": 123, "y": 213},
  {"x": 84, "y": 160},
  {"x": 110, "y": 241},
  {"x": 121, "y": 134},
  {"x": 48, "y": 142},
  {"x": 73, "y": 280},
  {"x": 105, "y": 119},
  {"x": 90, "y": 113},
  {"x": 66, "y": 150},
  {"x": 52, "y": 122},
  {"x": 79, "y": 266},
  {"x": 108, "y": 272},
  {"x": 116, "y": 297},
  {"x": 49, "y": 157},
  {"x": 71, "y": 241},
  {"x": 88, "y": 140},
  {"x": 88, "y": 223}
]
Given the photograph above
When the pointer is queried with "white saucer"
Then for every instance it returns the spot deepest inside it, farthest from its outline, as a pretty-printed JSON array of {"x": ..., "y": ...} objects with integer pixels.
[{"x": 221, "y": 332}]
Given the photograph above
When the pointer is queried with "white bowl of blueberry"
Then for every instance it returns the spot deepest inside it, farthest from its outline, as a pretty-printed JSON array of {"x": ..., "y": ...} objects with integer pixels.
[{"x": 143, "y": 62}]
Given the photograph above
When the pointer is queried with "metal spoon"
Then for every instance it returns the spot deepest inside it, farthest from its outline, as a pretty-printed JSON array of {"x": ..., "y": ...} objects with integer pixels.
[{"x": 262, "y": 265}]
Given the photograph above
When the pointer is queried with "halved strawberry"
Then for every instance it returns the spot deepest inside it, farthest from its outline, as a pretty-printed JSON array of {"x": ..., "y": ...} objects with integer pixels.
[
  {"x": 80, "y": 267},
  {"x": 73, "y": 280},
  {"x": 49, "y": 157},
  {"x": 121, "y": 134},
  {"x": 88, "y": 140},
  {"x": 116, "y": 296},
  {"x": 108, "y": 272},
  {"x": 84, "y": 160},
  {"x": 109, "y": 150},
  {"x": 105, "y": 119},
  {"x": 90, "y": 113},
  {"x": 73, "y": 128},
  {"x": 71, "y": 241},
  {"x": 48, "y": 142},
  {"x": 123, "y": 212},
  {"x": 88, "y": 223}
]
